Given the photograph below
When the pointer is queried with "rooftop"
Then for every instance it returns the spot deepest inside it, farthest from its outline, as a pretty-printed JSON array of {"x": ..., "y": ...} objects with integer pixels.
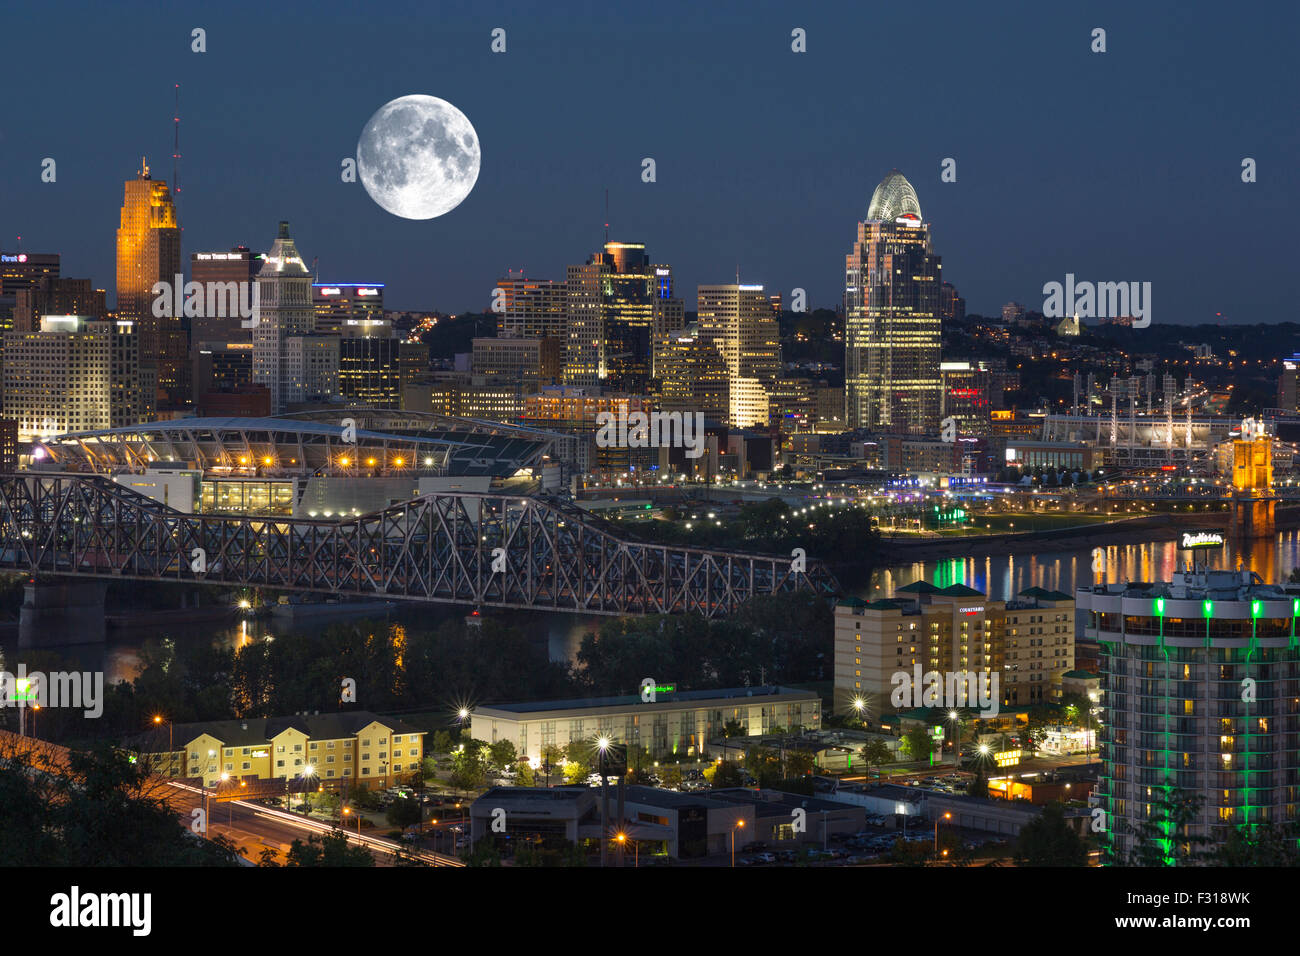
[{"x": 629, "y": 700}]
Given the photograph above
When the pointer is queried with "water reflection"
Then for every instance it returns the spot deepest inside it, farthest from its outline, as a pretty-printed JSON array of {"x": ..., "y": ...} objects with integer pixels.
[{"x": 1002, "y": 578}]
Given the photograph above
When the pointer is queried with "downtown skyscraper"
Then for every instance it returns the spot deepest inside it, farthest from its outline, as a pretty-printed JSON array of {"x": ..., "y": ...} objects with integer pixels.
[
  {"x": 148, "y": 252},
  {"x": 892, "y": 309},
  {"x": 618, "y": 302},
  {"x": 285, "y": 301},
  {"x": 740, "y": 321}
]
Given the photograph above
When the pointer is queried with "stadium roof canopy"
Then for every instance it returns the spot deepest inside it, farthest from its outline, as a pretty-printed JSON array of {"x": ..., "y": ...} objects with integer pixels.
[{"x": 341, "y": 446}]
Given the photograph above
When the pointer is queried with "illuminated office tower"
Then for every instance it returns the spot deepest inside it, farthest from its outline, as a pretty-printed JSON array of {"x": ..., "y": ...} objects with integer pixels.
[
  {"x": 338, "y": 303},
  {"x": 370, "y": 371},
  {"x": 149, "y": 251},
  {"x": 892, "y": 316},
  {"x": 238, "y": 265},
  {"x": 528, "y": 363},
  {"x": 614, "y": 304},
  {"x": 24, "y": 270},
  {"x": 739, "y": 321},
  {"x": 531, "y": 308},
  {"x": 584, "y": 354},
  {"x": 692, "y": 375},
  {"x": 75, "y": 373},
  {"x": 285, "y": 299},
  {"x": 311, "y": 368}
]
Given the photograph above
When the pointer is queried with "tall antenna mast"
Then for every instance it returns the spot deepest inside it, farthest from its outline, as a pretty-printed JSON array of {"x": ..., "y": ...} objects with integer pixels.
[
  {"x": 176, "y": 153},
  {"x": 607, "y": 215}
]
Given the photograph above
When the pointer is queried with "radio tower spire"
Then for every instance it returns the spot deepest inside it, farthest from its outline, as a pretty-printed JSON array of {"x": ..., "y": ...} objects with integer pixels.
[{"x": 176, "y": 151}]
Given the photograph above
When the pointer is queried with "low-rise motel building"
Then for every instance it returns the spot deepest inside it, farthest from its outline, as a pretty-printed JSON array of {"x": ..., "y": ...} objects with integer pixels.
[
  {"x": 1028, "y": 642},
  {"x": 671, "y": 723},
  {"x": 358, "y": 748}
]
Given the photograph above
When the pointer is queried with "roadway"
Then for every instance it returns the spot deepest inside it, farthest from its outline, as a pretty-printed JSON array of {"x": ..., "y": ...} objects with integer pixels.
[{"x": 254, "y": 827}]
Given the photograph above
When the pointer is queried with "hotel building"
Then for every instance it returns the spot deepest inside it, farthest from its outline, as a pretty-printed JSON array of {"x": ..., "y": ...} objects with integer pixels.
[
  {"x": 1029, "y": 641},
  {"x": 1200, "y": 698},
  {"x": 359, "y": 747}
]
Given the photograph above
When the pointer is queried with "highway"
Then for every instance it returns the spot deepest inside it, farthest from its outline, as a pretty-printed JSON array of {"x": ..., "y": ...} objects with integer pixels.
[{"x": 255, "y": 827}]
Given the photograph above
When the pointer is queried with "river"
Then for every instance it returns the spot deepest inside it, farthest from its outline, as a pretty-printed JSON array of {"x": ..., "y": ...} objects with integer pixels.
[{"x": 1001, "y": 578}]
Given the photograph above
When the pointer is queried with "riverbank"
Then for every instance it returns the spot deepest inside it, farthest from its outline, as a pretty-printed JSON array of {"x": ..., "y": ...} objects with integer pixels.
[{"x": 903, "y": 550}]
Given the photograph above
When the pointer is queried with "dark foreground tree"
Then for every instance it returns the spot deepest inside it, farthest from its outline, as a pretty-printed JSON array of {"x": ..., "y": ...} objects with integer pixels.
[
  {"x": 332, "y": 849},
  {"x": 93, "y": 809},
  {"x": 1050, "y": 841}
]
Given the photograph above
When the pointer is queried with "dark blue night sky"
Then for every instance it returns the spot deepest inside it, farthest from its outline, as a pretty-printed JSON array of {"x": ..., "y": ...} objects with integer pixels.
[{"x": 1123, "y": 166}]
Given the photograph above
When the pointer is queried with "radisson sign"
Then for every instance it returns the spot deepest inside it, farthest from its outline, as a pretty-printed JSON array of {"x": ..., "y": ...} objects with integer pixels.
[{"x": 1191, "y": 540}]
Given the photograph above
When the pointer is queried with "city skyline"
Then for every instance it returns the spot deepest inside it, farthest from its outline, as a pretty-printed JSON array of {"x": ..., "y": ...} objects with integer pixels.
[{"x": 1121, "y": 214}]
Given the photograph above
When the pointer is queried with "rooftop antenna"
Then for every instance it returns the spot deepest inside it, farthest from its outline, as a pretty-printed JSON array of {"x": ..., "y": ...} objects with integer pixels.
[
  {"x": 606, "y": 215},
  {"x": 176, "y": 145},
  {"x": 176, "y": 157}
]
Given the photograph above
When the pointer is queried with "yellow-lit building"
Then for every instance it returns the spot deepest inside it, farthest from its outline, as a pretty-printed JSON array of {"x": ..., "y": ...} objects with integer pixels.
[
  {"x": 359, "y": 747},
  {"x": 1028, "y": 642},
  {"x": 148, "y": 252}
]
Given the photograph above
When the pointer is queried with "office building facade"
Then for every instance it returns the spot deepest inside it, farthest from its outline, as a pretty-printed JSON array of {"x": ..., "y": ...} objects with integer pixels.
[
  {"x": 285, "y": 297},
  {"x": 149, "y": 252},
  {"x": 892, "y": 307}
]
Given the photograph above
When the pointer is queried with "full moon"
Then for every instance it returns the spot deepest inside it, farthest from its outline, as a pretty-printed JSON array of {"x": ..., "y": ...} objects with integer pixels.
[{"x": 418, "y": 157}]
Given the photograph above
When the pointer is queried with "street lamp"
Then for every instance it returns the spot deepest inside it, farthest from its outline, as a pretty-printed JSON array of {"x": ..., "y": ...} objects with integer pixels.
[
  {"x": 346, "y": 811},
  {"x": 946, "y": 816},
  {"x": 602, "y": 749},
  {"x": 158, "y": 719},
  {"x": 740, "y": 825}
]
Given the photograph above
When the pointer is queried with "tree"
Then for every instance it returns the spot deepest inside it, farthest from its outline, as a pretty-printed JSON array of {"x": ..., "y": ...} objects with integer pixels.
[
  {"x": 917, "y": 744},
  {"x": 501, "y": 754},
  {"x": 732, "y": 728},
  {"x": 551, "y": 754},
  {"x": 979, "y": 787},
  {"x": 267, "y": 857},
  {"x": 524, "y": 776},
  {"x": 468, "y": 769},
  {"x": 1162, "y": 839},
  {"x": 1048, "y": 840},
  {"x": 1261, "y": 844},
  {"x": 671, "y": 775},
  {"x": 331, "y": 849},
  {"x": 799, "y": 763},
  {"x": 876, "y": 753},
  {"x": 403, "y": 813},
  {"x": 575, "y": 773},
  {"x": 727, "y": 774},
  {"x": 95, "y": 808}
]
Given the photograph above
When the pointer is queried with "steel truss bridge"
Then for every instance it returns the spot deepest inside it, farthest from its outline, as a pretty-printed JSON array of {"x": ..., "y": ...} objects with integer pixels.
[{"x": 548, "y": 554}]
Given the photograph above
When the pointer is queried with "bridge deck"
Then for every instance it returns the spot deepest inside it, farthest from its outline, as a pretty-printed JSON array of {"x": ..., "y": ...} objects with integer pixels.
[{"x": 488, "y": 550}]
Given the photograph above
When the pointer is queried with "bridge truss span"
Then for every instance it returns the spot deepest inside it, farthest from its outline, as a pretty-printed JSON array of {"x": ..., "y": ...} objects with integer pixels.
[{"x": 482, "y": 549}]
